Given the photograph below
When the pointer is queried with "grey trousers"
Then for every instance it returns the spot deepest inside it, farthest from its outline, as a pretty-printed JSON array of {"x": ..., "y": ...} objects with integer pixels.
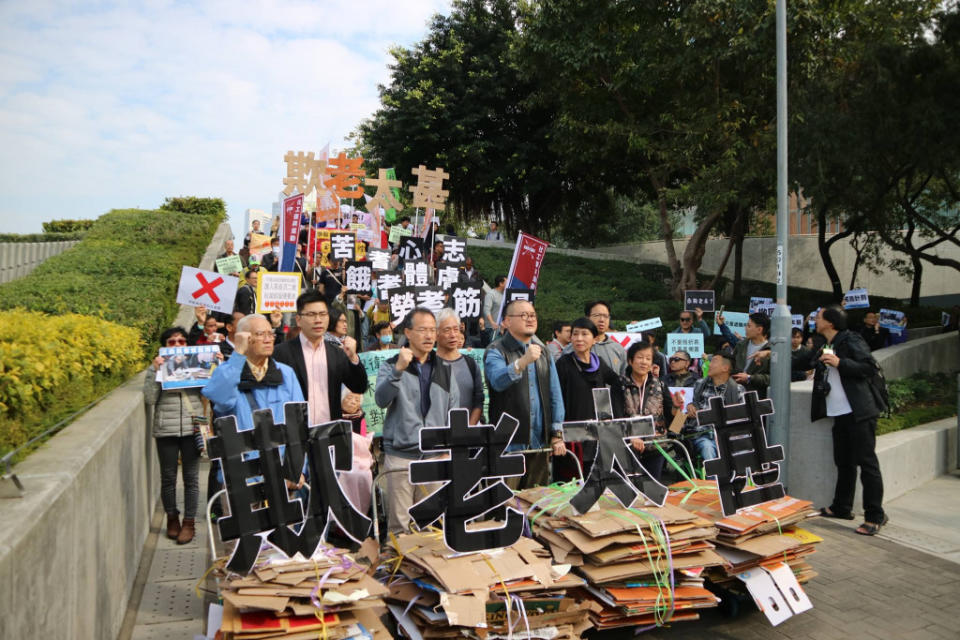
[{"x": 169, "y": 450}]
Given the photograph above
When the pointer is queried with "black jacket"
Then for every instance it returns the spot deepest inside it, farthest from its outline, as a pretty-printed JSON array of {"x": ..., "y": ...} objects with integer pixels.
[
  {"x": 856, "y": 366},
  {"x": 339, "y": 371},
  {"x": 577, "y": 384},
  {"x": 246, "y": 300}
]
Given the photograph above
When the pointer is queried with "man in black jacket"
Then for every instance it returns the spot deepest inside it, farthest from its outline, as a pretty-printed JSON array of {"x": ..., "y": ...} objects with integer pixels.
[
  {"x": 321, "y": 366},
  {"x": 246, "y": 300},
  {"x": 841, "y": 390}
]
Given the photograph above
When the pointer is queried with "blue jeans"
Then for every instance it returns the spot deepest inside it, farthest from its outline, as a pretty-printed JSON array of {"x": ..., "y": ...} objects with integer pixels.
[{"x": 705, "y": 445}]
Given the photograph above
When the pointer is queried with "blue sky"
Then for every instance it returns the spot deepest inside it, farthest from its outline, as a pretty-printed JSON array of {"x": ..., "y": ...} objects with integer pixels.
[{"x": 109, "y": 105}]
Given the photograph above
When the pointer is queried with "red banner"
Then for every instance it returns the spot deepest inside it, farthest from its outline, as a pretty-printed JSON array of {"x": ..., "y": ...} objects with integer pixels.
[
  {"x": 525, "y": 266},
  {"x": 290, "y": 231}
]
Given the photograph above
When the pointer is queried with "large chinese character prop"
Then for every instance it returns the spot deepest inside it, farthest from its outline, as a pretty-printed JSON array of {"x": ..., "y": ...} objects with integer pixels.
[
  {"x": 384, "y": 197},
  {"x": 254, "y": 475},
  {"x": 379, "y": 259},
  {"x": 476, "y": 453},
  {"x": 429, "y": 193},
  {"x": 742, "y": 451},
  {"x": 615, "y": 466},
  {"x": 357, "y": 277},
  {"x": 454, "y": 249},
  {"x": 304, "y": 172},
  {"x": 416, "y": 273},
  {"x": 447, "y": 275},
  {"x": 411, "y": 248},
  {"x": 466, "y": 300},
  {"x": 345, "y": 174},
  {"x": 342, "y": 246}
]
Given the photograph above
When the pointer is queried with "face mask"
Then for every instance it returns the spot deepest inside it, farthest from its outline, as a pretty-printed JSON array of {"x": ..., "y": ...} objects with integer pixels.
[
  {"x": 387, "y": 339},
  {"x": 276, "y": 251}
]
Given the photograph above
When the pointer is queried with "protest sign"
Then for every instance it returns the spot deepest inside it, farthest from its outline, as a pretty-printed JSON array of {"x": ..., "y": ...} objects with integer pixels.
[
  {"x": 261, "y": 217},
  {"x": 755, "y": 302},
  {"x": 357, "y": 277},
  {"x": 894, "y": 321},
  {"x": 290, "y": 231},
  {"x": 702, "y": 299},
  {"x": 625, "y": 339},
  {"x": 644, "y": 325},
  {"x": 856, "y": 299},
  {"x": 209, "y": 289},
  {"x": 379, "y": 259},
  {"x": 466, "y": 300},
  {"x": 687, "y": 393},
  {"x": 692, "y": 343},
  {"x": 397, "y": 232},
  {"x": 230, "y": 264},
  {"x": 185, "y": 367},
  {"x": 796, "y": 321},
  {"x": 735, "y": 321},
  {"x": 768, "y": 309},
  {"x": 454, "y": 249},
  {"x": 511, "y": 294},
  {"x": 372, "y": 360},
  {"x": 277, "y": 291},
  {"x": 259, "y": 244},
  {"x": 328, "y": 208},
  {"x": 812, "y": 318},
  {"x": 411, "y": 248},
  {"x": 342, "y": 246},
  {"x": 525, "y": 266},
  {"x": 944, "y": 319}
]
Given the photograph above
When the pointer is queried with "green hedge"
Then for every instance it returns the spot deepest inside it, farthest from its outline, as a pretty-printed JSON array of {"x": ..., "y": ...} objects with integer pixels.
[
  {"x": 918, "y": 399},
  {"x": 67, "y": 226},
  {"x": 125, "y": 269},
  {"x": 55, "y": 236}
]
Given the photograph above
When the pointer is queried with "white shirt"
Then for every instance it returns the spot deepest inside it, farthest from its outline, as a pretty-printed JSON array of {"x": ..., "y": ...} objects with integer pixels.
[{"x": 837, "y": 403}]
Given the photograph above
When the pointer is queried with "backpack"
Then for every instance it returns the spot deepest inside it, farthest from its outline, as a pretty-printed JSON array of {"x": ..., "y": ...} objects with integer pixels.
[{"x": 878, "y": 388}]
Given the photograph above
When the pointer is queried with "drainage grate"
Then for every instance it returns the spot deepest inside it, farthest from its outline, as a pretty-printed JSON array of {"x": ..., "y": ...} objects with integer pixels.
[
  {"x": 177, "y": 564},
  {"x": 918, "y": 540},
  {"x": 169, "y": 602}
]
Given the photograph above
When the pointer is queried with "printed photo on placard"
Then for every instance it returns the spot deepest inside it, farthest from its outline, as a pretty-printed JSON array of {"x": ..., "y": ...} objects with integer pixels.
[{"x": 185, "y": 367}]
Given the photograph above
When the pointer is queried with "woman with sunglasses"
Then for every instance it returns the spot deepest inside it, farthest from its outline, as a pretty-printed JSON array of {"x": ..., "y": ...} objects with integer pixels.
[{"x": 173, "y": 412}]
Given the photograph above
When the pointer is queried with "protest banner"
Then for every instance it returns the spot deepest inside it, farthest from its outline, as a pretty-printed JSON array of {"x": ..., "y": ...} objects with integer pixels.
[
  {"x": 230, "y": 264},
  {"x": 290, "y": 231},
  {"x": 702, "y": 299},
  {"x": 328, "y": 207},
  {"x": 525, "y": 266},
  {"x": 692, "y": 343},
  {"x": 277, "y": 291},
  {"x": 209, "y": 289},
  {"x": 372, "y": 361},
  {"x": 185, "y": 367},
  {"x": 856, "y": 299},
  {"x": 894, "y": 321},
  {"x": 625, "y": 338},
  {"x": 644, "y": 325},
  {"x": 755, "y": 302},
  {"x": 736, "y": 321},
  {"x": 259, "y": 244}
]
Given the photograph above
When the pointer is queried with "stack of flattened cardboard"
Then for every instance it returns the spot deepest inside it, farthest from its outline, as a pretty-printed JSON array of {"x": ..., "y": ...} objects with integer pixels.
[
  {"x": 762, "y": 545},
  {"x": 764, "y": 535},
  {"x": 438, "y": 593},
  {"x": 643, "y": 565},
  {"x": 332, "y": 595}
]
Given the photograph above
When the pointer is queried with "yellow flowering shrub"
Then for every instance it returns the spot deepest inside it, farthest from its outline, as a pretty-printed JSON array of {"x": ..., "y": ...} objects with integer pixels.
[{"x": 51, "y": 366}]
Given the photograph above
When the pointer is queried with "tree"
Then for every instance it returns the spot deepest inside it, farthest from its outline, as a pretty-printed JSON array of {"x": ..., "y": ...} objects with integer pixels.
[
  {"x": 667, "y": 99},
  {"x": 457, "y": 100}
]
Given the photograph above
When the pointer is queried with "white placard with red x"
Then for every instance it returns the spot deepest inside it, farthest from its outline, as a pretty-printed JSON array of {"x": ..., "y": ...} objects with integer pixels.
[{"x": 199, "y": 288}]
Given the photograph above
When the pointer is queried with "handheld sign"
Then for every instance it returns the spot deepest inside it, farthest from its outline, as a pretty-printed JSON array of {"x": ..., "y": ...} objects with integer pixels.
[
  {"x": 230, "y": 264},
  {"x": 856, "y": 299},
  {"x": 692, "y": 343},
  {"x": 796, "y": 321},
  {"x": 625, "y": 339},
  {"x": 894, "y": 321},
  {"x": 277, "y": 291},
  {"x": 735, "y": 321},
  {"x": 705, "y": 300},
  {"x": 199, "y": 288},
  {"x": 644, "y": 325},
  {"x": 756, "y": 302}
]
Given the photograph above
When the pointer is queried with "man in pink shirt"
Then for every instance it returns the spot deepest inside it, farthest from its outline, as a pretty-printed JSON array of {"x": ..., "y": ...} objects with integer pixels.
[{"x": 321, "y": 366}]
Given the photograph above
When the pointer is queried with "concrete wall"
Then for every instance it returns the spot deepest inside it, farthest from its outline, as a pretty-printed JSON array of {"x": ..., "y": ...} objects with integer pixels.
[
  {"x": 908, "y": 458},
  {"x": 806, "y": 268},
  {"x": 70, "y": 547},
  {"x": 17, "y": 259}
]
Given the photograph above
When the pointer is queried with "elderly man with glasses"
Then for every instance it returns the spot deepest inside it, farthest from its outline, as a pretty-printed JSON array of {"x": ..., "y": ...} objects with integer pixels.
[
  {"x": 251, "y": 379},
  {"x": 523, "y": 382}
]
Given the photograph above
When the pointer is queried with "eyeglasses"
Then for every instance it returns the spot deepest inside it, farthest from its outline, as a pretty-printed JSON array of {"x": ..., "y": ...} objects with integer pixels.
[
  {"x": 682, "y": 319},
  {"x": 523, "y": 316},
  {"x": 172, "y": 342},
  {"x": 425, "y": 331},
  {"x": 313, "y": 315},
  {"x": 679, "y": 360},
  {"x": 264, "y": 335},
  {"x": 600, "y": 316},
  {"x": 450, "y": 330}
]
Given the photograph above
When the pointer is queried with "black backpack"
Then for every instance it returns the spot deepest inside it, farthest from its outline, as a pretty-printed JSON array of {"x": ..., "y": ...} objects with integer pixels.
[{"x": 878, "y": 388}]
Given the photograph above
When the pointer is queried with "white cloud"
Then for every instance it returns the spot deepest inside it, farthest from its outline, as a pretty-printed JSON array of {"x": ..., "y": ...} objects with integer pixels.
[{"x": 105, "y": 106}]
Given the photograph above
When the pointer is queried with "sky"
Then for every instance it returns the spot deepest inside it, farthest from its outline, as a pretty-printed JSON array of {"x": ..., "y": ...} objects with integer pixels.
[{"x": 112, "y": 105}]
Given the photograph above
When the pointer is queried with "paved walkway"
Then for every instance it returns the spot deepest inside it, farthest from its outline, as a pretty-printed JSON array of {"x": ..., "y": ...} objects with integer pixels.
[{"x": 903, "y": 585}]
